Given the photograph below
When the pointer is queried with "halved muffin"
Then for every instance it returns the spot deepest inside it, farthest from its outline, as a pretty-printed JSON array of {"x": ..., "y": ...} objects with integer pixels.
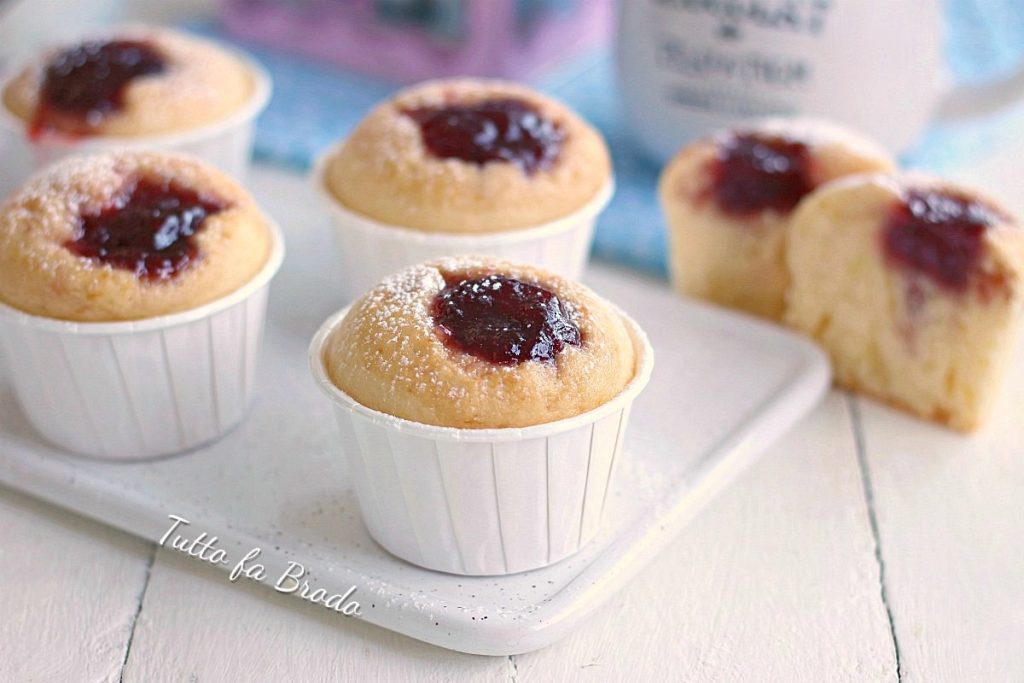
[{"x": 913, "y": 286}]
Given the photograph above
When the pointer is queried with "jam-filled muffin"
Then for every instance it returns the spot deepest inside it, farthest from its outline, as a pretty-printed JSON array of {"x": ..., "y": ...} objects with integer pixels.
[
  {"x": 913, "y": 286},
  {"x": 728, "y": 200},
  {"x": 472, "y": 342},
  {"x": 133, "y": 82},
  {"x": 125, "y": 236},
  {"x": 468, "y": 156}
]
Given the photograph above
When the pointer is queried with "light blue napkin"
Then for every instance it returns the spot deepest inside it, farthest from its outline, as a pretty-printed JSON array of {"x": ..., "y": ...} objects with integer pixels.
[{"x": 314, "y": 105}]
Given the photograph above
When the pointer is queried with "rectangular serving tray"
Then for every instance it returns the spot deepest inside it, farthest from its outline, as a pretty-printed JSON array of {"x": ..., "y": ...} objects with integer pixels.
[{"x": 725, "y": 386}]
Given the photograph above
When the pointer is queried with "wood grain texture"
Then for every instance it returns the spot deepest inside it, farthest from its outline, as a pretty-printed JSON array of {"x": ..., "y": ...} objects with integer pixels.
[
  {"x": 950, "y": 508},
  {"x": 69, "y": 589},
  {"x": 949, "y": 512},
  {"x": 196, "y": 626},
  {"x": 775, "y": 581}
]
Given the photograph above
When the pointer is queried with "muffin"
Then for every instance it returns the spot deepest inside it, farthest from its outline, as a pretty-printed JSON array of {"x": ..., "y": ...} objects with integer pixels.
[
  {"x": 126, "y": 236},
  {"x": 729, "y": 199},
  {"x": 467, "y": 157},
  {"x": 130, "y": 88},
  {"x": 134, "y": 82},
  {"x": 474, "y": 343},
  {"x": 460, "y": 167},
  {"x": 482, "y": 406},
  {"x": 913, "y": 287},
  {"x": 133, "y": 291}
]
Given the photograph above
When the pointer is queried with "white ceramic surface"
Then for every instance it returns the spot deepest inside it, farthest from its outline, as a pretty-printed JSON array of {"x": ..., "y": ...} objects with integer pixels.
[
  {"x": 369, "y": 251},
  {"x": 725, "y": 387},
  {"x": 139, "y": 389},
  {"x": 482, "y": 501},
  {"x": 227, "y": 144}
]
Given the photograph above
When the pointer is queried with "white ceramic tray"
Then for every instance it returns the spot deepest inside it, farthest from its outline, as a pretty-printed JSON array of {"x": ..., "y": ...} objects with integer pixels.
[{"x": 724, "y": 387}]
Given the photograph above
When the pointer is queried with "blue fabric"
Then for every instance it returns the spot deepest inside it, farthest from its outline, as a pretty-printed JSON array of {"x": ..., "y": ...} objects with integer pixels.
[
  {"x": 985, "y": 38},
  {"x": 314, "y": 105}
]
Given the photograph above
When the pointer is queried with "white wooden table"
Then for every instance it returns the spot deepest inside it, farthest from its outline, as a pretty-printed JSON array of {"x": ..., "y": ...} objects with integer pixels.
[{"x": 865, "y": 546}]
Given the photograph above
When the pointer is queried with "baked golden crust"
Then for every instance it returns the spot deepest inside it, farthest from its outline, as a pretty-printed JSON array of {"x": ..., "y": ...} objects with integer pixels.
[
  {"x": 938, "y": 415},
  {"x": 388, "y": 355},
  {"x": 41, "y": 276},
  {"x": 201, "y": 84},
  {"x": 894, "y": 334},
  {"x": 384, "y": 172},
  {"x": 739, "y": 262}
]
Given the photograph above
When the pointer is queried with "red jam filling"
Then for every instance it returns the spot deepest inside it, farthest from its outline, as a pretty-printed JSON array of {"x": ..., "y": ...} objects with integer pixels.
[
  {"x": 754, "y": 173},
  {"x": 150, "y": 229},
  {"x": 508, "y": 130},
  {"x": 87, "y": 82},
  {"x": 503, "y": 320},
  {"x": 938, "y": 234}
]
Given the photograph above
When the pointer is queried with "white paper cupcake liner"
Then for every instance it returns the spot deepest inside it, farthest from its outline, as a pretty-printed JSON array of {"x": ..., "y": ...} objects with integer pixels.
[
  {"x": 227, "y": 144},
  {"x": 144, "y": 388},
  {"x": 370, "y": 250},
  {"x": 482, "y": 501}
]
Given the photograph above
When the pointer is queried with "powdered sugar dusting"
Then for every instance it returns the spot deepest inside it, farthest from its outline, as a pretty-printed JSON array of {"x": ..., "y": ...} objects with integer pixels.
[
  {"x": 814, "y": 132},
  {"x": 398, "y": 299},
  {"x": 57, "y": 195},
  {"x": 40, "y": 275},
  {"x": 384, "y": 171},
  {"x": 389, "y": 354},
  {"x": 200, "y": 83}
]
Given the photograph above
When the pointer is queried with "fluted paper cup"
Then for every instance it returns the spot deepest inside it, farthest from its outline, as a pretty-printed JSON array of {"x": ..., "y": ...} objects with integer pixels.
[
  {"x": 370, "y": 250},
  {"x": 227, "y": 144},
  {"x": 482, "y": 501},
  {"x": 144, "y": 388}
]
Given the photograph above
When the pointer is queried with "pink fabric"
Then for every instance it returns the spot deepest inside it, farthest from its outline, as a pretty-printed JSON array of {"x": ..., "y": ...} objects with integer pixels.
[{"x": 349, "y": 35}]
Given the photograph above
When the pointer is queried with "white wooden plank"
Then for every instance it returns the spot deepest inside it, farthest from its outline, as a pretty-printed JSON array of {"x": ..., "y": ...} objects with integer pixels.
[
  {"x": 950, "y": 513},
  {"x": 775, "y": 581},
  {"x": 196, "y": 626},
  {"x": 69, "y": 592}
]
